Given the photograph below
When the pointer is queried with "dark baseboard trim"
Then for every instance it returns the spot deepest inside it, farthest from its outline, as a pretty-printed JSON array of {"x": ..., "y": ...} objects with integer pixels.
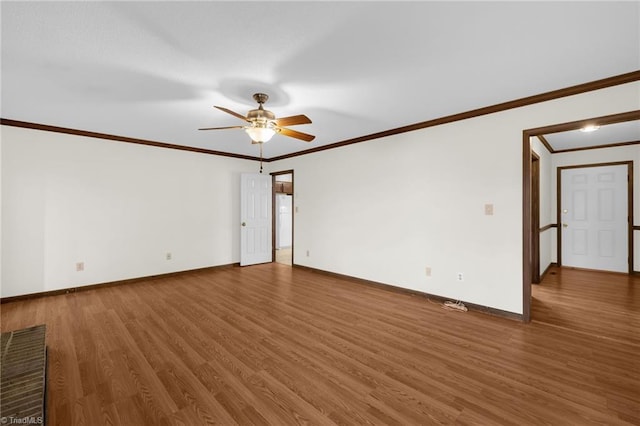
[
  {"x": 595, "y": 271},
  {"x": 112, "y": 283},
  {"x": 395, "y": 289}
]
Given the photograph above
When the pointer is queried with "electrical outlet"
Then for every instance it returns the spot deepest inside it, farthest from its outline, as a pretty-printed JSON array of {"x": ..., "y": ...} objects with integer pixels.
[
  {"x": 427, "y": 271},
  {"x": 168, "y": 256},
  {"x": 460, "y": 276},
  {"x": 80, "y": 266}
]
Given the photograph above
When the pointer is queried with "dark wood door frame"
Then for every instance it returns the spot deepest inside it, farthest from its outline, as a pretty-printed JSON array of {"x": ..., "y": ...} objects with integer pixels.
[
  {"x": 273, "y": 212},
  {"x": 535, "y": 218},
  {"x": 527, "y": 154},
  {"x": 629, "y": 165}
]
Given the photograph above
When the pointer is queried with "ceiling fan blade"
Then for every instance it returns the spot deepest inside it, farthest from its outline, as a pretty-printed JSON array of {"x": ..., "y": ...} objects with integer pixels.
[
  {"x": 235, "y": 114},
  {"x": 294, "y": 134},
  {"x": 293, "y": 120},
  {"x": 220, "y": 128}
]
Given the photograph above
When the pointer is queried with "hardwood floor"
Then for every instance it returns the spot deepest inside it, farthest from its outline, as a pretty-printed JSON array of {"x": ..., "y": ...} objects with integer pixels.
[
  {"x": 601, "y": 304},
  {"x": 271, "y": 344},
  {"x": 284, "y": 255}
]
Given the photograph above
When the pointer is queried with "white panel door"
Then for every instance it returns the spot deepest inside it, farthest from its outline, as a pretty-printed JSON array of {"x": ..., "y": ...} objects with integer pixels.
[
  {"x": 255, "y": 219},
  {"x": 594, "y": 217}
]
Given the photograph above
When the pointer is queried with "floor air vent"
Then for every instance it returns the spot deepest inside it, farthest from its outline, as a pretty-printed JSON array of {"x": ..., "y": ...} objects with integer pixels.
[{"x": 22, "y": 376}]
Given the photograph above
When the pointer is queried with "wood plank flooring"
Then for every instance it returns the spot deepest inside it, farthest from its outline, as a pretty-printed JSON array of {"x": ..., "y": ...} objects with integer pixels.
[
  {"x": 275, "y": 345},
  {"x": 602, "y": 304}
]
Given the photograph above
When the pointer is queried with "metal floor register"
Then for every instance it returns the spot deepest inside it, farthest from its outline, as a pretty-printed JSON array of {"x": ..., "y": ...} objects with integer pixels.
[{"x": 23, "y": 376}]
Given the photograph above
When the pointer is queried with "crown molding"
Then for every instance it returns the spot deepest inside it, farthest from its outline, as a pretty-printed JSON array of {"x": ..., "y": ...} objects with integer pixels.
[{"x": 517, "y": 103}]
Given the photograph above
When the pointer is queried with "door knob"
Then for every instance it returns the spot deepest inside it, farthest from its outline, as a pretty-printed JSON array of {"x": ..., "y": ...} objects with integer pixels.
[
  {"x": 244, "y": 224},
  {"x": 564, "y": 225}
]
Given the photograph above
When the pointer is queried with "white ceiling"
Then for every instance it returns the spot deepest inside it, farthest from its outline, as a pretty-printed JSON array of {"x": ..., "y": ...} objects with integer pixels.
[
  {"x": 153, "y": 70},
  {"x": 618, "y": 133}
]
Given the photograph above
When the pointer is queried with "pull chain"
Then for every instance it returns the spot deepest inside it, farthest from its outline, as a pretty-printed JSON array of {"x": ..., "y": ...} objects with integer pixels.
[{"x": 260, "y": 157}]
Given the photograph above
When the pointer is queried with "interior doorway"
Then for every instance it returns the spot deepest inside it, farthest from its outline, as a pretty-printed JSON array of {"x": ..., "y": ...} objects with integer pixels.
[
  {"x": 283, "y": 209},
  {"x": 528, "y": 160}
]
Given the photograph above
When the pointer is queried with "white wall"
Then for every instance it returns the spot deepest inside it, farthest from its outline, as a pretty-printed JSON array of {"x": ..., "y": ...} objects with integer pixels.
[
  {"x": 117, "y": 207},
  {"x": 606, "y": 155},
  {"x": 384, "y": 210}
]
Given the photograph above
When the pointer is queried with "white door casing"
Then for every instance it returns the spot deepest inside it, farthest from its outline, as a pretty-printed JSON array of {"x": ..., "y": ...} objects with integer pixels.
[
  {"x": 255, "y": 219},
  {"x": 594, "y": 220}
]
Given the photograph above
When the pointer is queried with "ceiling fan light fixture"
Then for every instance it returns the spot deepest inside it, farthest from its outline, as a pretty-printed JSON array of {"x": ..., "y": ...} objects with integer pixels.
[
  {"x": 263, "y": 124},
  {"x": 260, "y": 134}
]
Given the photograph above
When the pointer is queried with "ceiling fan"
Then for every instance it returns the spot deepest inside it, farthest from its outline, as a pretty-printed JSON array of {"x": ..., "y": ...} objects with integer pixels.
[{"x": 263, "y": 124}]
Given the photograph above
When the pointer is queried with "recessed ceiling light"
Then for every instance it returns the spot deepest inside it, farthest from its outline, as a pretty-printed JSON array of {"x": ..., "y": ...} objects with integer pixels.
[{"x": 590, "y": 128}]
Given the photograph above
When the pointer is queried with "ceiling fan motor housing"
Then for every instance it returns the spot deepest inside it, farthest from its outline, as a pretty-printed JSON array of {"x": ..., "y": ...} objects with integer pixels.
[{"x": 260, "y": 115}]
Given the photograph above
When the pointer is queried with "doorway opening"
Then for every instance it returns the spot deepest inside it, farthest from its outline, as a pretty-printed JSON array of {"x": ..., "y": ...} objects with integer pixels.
[
  {"x": 529, "y": 237},
  {"x": 283, "y": 209}
]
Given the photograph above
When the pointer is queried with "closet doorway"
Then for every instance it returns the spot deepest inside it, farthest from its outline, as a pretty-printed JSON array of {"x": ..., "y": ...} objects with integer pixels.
[{"x": 283, "y": 208}]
